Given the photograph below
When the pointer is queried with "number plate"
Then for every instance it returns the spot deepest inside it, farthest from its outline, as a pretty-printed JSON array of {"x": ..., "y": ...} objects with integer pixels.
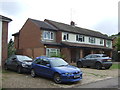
[
  {"x": 108, "y": 60},
  {"x": 76, "y": 76}
]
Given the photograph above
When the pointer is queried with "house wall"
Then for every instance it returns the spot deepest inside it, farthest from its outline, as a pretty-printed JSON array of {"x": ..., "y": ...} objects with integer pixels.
[
  {"x": 58, "y": 36},
  {"x": 4, "y": 41},
  {"x": 30, "y": 40},
  {"x": 16, "y": 41},
  {"x": 72, "y": 38},
  {"x": 0, "y": 42},
  {"x": 30, "y": 36}
]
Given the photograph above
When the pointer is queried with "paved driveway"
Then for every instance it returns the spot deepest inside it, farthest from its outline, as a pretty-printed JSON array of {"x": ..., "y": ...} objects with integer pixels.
[{"x": 11, "y": 79}]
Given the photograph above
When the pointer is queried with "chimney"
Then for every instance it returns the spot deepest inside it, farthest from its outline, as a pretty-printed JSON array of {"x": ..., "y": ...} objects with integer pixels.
[{"x": 72, "y": 23}]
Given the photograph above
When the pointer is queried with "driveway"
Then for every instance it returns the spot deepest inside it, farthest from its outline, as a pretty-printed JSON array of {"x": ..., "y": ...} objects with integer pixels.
[{"x": 12, "y": 79}]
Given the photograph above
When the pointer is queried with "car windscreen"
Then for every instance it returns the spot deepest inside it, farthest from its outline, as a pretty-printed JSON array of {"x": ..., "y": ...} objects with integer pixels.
[
  {"x": 24, "y": 58},
  {"x": 104, "y": 55},
  {"x": 58, "y": 62}
]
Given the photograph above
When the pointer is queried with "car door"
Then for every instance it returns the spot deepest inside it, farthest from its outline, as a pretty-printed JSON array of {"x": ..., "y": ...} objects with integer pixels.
[
  {"x": 86, "y": 60},
  {"x": 46, "y": 69},
  {"x": 37, "y": 66},
  {"x": 91, "y": 60},
  {"x": 14, "y": 63},
  {"x": 8, "y": 62},
  {"x": 42, "y": 69}
]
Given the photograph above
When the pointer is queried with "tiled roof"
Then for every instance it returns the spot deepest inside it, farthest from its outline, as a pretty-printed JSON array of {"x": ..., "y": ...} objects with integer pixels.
[
  {"x": 43, "y": 24},
  {"x": 75, "y": 29}
]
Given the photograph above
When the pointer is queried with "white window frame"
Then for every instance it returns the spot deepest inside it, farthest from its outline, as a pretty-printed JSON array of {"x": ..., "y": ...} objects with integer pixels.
[
  {"x": 101, "y": 41},
  {"x": 48, "y": 35},
  {"x": 80, "y": 38},
  {"x": 65, "y": 36},
  {"x": 108, "y": 43},
  {"x": 52, "y": 50},
  {"x": 91, "y": 40}
]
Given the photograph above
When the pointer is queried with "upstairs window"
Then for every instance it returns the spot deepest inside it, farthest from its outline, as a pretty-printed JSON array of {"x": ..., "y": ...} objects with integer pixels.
[
  {"x": 101, "y": 41},
  {"x": 80, "y": 38},
  {"x": 91, "y": 40},
  {"x": 48, "y": 35},
  {"x": 108, "y": 43},
  {"x": 66, "y": 36}
]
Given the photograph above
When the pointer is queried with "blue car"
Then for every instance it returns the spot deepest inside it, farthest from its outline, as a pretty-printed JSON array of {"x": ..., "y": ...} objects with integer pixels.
[{"x": 55, "y": 68}]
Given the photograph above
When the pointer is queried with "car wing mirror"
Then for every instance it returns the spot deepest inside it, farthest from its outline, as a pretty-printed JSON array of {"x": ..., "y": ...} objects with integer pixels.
[
  {"x": 14, "y": 59},
  {"x": 48, "y": 65}
]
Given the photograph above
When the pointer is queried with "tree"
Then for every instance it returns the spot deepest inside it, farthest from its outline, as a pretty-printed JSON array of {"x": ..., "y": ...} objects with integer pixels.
[
  {"x": 119, "y": 33},
  {"x": 11, "y": 49},
  {"x": 118, "y": 43}
]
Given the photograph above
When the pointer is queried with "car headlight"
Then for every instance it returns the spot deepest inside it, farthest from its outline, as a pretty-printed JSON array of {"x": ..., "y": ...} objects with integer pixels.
[{"x": 24, "y": 65}]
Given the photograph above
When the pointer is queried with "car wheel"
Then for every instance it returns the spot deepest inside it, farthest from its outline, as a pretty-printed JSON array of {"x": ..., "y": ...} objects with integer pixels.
[
  {"x": 107, "y": 67},
  {"x": 98, "y": 66},
  {"x": 79, "y": 64},
  {"x": 33, "y": 73},
  {"x": 57, "y": 78},
  {"x": 19, "y": 69},
  {"x": 5, "y": 67}
]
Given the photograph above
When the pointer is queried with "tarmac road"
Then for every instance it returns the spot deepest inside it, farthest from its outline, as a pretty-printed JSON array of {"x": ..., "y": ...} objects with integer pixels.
[{"x": 108, "y": 83}]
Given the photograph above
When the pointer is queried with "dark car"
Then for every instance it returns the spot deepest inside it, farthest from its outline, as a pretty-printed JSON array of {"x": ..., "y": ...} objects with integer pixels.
[
  {"x": 18, "y": 63},
  {"x": 55, "y": 68},
  {"x": 95, "y": 60}
]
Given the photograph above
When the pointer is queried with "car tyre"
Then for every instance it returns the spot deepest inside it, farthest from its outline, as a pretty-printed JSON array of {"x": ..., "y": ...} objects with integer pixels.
[
  {"x": 98, "y": 66},
  {"x": 107, "y": 67},
  {"x": 19, "y": 69},
  {"x": 57, "y": 78},
  {"x": 33, "y": 74},
  {"x": 79, "y": 64}
]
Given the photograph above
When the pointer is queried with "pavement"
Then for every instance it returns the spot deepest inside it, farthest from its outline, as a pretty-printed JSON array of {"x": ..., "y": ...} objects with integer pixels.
[
  {"x": 12, "y": 79},
  {"x": 106, "y": 83}
]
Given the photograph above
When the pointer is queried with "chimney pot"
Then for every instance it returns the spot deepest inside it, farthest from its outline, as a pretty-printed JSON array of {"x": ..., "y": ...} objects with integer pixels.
[{"x": 72, "y": 23}]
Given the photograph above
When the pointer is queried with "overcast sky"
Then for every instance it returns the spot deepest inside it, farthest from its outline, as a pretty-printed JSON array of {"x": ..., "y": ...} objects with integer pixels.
[{"x": 98, "y": 15}]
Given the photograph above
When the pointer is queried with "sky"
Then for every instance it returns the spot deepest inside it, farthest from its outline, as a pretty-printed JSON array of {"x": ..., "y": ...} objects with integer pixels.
[{"x": 97, "y": 15}]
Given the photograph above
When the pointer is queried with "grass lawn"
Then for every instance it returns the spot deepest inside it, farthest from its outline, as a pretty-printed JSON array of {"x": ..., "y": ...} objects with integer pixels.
[{"x": 115, "y": 66}]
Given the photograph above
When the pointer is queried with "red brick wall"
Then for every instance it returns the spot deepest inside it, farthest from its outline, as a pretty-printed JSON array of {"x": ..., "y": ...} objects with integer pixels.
[
  {"x": 4, "y": 41},
  {"x": 30, "y": 36},
  {"x": 16, "y": 42},
  {"x": 58, "y": 36},
  {"x": 29, "y": 40},
  {"x": 66, "y": 52}
]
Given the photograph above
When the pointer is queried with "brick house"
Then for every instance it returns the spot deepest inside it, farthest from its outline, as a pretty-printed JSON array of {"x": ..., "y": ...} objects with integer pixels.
[
  {"x": 3, "y": 37},
  {"x": 50, "y": 38}
]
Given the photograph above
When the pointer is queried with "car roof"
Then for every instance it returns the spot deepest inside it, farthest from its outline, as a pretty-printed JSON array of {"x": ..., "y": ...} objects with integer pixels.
[
  {"x": 47, "y": 58},
  {"x": 97, "y": 54}
]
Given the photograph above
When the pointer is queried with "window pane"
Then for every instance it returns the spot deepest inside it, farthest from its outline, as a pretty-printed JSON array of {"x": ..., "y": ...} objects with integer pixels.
[{"x": 51, "y": 35}]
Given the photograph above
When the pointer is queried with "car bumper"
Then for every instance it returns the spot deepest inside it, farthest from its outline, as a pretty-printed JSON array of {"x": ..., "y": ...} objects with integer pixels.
[
  {"x": 71, "y": 78},
  {"x": 107, "y": 64}
]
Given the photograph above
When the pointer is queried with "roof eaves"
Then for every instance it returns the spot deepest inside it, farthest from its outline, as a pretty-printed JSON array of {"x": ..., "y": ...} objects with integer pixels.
[
  {"x": 15, "y": 34},
  {"x": 3, "y": 18}
]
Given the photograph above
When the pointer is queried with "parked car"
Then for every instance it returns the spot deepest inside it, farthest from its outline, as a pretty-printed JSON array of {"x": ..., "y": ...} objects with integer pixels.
[
  {"x": 18, "y": 63},
  {"x": 95, "y": 60},
  {"x": 55, "y": 68}
]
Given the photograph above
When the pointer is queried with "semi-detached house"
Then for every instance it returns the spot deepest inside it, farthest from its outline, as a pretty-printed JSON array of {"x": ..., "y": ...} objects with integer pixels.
[{"x": 51, "y": 38}]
